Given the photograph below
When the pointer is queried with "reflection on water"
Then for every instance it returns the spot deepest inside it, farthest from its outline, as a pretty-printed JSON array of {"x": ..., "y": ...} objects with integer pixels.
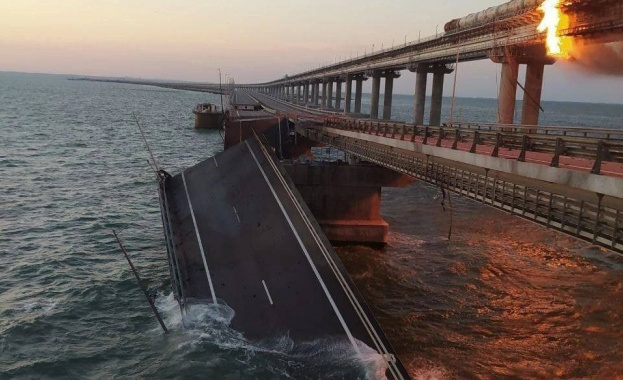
[{"x": 504, "y": 298}]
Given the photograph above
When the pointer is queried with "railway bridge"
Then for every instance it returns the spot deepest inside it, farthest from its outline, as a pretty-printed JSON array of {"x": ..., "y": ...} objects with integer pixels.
[{"x": 507, "y": 35}]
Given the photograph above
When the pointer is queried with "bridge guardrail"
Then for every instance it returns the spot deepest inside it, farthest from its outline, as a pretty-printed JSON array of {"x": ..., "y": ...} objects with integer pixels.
[{"x": 598, "y": 145}]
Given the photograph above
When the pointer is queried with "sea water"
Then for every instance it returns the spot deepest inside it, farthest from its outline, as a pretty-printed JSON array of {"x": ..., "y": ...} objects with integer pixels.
[{"x": 500, "y": 298}]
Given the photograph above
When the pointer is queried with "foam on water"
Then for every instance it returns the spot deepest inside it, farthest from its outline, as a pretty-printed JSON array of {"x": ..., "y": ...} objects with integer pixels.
[{"x": 206, "y": 323}]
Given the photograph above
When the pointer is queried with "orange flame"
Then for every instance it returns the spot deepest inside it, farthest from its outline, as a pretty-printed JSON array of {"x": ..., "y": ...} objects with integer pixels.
[{"x": 553, "y": 20}]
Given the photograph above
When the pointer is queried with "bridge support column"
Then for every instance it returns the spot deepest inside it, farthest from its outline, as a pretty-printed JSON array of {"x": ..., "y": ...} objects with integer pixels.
[
  {"x": 338, "y": 94},
  {"x": 374, "y": 97},
  {"x": 349, "y": 93},
  {"x": 389, "y": 94},
  {"x": 358, "y": 91},
  {"x": 325, "y": 84},
  {"x": 292, "y": 93},
  {"x": 420, "y": 96},
  {"x": 305, "y": 93},
  {"x": 346, "y": 199},
  {"x": 436, "y": 98},
  {"x": 330, "y": 94},
  {"x": 508, "y": 92},
  {"x": 316, "y": 93},
  {"x": 532, "y": 96},
  {"x": 313, "y": 92}
]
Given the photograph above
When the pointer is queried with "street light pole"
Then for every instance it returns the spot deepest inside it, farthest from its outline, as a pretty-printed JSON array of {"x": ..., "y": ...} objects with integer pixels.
[{"x": 220, "y": 89}]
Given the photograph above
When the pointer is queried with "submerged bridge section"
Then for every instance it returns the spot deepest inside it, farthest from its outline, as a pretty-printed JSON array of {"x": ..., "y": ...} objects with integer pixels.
[
  {"x": 567, "y": 179},
  {"x": 240, "y": 236},
  {"x": 506, "y": 34}
]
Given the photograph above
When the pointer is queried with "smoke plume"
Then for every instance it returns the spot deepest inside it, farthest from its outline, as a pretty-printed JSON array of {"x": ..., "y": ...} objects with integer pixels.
[{"x": 601, "y": 58}]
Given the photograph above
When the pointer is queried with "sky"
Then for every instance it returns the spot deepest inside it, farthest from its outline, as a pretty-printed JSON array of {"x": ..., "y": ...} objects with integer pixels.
[{"x": 249, "y": 40}]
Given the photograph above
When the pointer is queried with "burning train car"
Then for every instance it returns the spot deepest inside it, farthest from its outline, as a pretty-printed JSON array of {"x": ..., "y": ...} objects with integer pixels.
[{"x": 489, "y": 15}]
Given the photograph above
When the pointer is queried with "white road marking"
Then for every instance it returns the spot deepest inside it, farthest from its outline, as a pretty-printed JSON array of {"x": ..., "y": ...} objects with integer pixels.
[
  {"x": 203, "y": 255},
  {"x": 309, "y": 259},
  {"x": 270, "y": 299}
]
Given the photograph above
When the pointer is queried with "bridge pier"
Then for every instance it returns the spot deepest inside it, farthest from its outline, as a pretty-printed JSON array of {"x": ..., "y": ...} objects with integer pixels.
[
  {"x": 420, "y": 96},
  {"x": 316, "y": 92},
  {"x": 330, "y": 94},
  {"x": 532, "y": 96},
  {"x": 349, "y": 93},
  {"x": 338, "y": 93},
  {"x": 305, "y": 92},
  {"x": 508, "y": 92},
  {"x": 358, "y": 91},
  {"x": 325, "y": 84},
  {"x": 535, "y": 58},
  {"x": 374, "y": 97},
  {"x": 389, "y": 93},
  {"x": 292, "y": 93},
  {"x": 436, "y": 100},
  {"x": 346, "y": 199}
]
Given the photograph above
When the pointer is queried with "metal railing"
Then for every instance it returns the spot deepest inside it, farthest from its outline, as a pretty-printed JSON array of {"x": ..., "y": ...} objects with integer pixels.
[{"x": 598, "y": 145}]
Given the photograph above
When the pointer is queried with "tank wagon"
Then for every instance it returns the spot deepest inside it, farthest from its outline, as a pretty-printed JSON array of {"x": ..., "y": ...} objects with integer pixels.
[{"x": 491, "y": 14}]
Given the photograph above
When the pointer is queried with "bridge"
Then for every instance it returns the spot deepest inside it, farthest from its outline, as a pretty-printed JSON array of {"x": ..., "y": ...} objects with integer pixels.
[
  {"x": 565, "y": 178},
  {"x": 568, "y": 179},
  {"x": 506, "y": 34}
]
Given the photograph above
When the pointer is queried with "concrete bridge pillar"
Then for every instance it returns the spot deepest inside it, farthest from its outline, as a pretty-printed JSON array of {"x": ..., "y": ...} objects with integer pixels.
[
  {"x": 358, "y": 91},
  {"x": 439, "y": 72},
  {"x": 325, "y": 84},
  {"x": 389, "y": 93},
  {"x": 420, "y": 96},
  {"x": 292, "y": 93},
  {"x": 535, "y": 57},
  {"x": 338, "y": 93},
  {"x": 374, "y": 97},
  {"x": 436, "y": 98},
  {"x": 330, "y": 94},
  {"x": 349, "y": 93},
  {"x": 532, "y": 96},
  {"x": 316, "y": 92},
  {"x": 313, "y": 92},
  {"x": 508, "y": 92},
  {"x": 317, "y": 85},
  {"x": 305, "y": 92}
]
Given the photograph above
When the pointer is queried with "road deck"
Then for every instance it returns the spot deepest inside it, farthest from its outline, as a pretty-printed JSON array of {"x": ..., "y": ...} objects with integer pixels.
[{"x": 242, "y": 234}]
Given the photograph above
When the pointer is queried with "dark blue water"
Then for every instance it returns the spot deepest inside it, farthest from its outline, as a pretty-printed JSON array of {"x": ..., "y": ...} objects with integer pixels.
[{"x": 502, "y": 298}]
